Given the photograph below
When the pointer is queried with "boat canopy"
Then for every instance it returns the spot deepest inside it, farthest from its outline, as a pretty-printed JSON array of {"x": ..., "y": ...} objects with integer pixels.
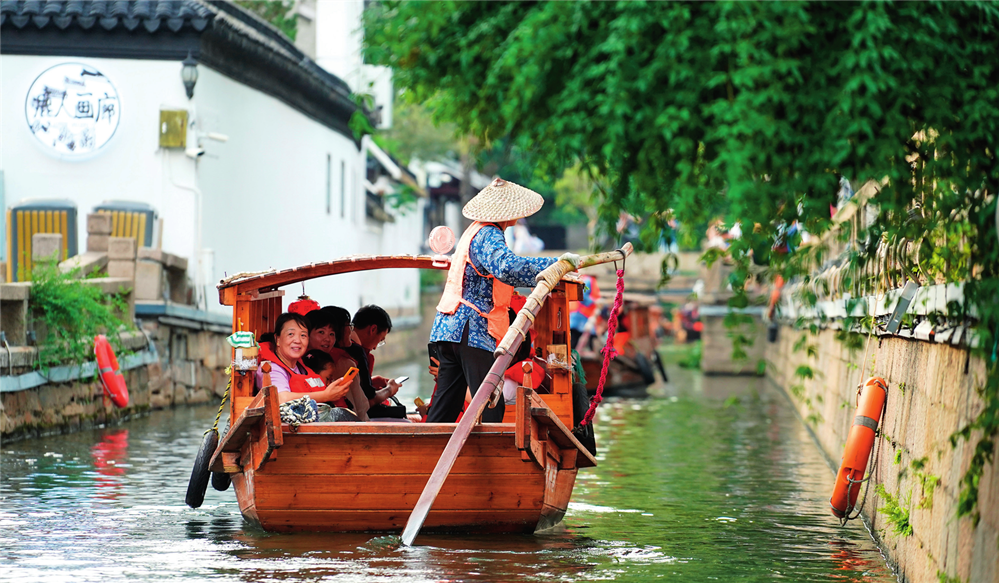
[{"x": 253, "y": 283}]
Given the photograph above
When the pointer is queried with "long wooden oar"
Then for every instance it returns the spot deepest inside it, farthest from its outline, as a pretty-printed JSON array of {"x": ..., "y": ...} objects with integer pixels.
[{"x": 547, "y": 280}]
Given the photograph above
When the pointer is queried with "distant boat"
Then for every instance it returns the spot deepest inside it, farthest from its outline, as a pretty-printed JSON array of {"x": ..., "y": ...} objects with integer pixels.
[
  {"x": 632, "y": 370},
  {"x": 515, "y": 476}
]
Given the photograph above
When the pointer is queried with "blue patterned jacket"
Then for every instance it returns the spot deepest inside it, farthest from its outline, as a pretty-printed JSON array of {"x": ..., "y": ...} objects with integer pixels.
[{"x": 490, "y": 255}]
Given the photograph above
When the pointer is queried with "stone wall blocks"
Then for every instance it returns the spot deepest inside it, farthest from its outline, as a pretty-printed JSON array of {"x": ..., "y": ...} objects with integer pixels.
[
  {"x": 99, "y": 224},
  {"x": 121, "y": 248}
]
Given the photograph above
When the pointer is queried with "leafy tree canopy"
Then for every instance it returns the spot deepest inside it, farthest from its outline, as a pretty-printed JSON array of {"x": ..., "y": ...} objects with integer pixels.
[
  {"x": 277, "y": 12},
  {"x": 746, "y": 110}
]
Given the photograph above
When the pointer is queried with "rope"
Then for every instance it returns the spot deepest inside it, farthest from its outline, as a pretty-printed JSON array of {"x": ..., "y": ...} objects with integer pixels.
[
  {"x": 225, "y": 398},
  {"x": 608, "y": 350},
  {"x": 299, "y": 411}
]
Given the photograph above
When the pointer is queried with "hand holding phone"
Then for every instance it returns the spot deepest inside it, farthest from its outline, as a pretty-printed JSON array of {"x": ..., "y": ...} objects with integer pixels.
[
  {"x": 401, "y": 380},
  {"x": 351, "y": 373}
]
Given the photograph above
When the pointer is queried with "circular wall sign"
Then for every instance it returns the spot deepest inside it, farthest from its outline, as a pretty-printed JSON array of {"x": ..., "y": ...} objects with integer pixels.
[{"x": 72, "y": 109}]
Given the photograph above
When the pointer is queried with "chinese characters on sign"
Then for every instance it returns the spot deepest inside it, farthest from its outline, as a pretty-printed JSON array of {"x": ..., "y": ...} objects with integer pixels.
[{"x": 72, "y": 109}]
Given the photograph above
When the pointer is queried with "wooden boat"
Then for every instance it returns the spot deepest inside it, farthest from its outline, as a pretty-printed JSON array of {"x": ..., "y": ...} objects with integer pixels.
[
  {"x": 515, "y": 476},
  {"x": 632, "y": 369}
]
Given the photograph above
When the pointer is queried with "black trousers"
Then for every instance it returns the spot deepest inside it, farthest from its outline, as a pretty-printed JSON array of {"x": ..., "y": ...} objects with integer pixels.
[{"x": 461, "y": 366}]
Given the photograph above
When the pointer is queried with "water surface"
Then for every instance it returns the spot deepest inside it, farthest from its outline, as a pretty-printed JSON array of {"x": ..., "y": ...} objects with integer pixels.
[{"x": 711, "y": 479}]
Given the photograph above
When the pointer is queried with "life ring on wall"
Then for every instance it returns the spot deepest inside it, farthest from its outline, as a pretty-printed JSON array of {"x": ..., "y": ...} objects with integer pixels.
[
  {"x": 111, "y": 378},
  {"x": 859, "y": 443}
]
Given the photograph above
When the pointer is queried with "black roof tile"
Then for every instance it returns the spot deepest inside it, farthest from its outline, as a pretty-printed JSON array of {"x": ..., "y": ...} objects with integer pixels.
[{"x": 109, "y": 14}]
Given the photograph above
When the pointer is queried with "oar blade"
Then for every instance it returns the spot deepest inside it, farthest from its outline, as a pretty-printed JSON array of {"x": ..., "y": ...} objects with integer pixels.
[{"x": 445, "y": 463}]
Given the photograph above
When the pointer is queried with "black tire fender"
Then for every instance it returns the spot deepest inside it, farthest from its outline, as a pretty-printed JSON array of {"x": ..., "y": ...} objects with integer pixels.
[
  {"x": 200, "y": 474},
  {"x": 221, "y": 480}
]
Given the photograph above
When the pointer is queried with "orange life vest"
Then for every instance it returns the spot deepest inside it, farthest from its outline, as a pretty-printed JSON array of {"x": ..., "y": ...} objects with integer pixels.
[
  {"x": 587, "y": 311},
  {"x": 498, "y": 318},
  {"x": 309, "y": 382}
]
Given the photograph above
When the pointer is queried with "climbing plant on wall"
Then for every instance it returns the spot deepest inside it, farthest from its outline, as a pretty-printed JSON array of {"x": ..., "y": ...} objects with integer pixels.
[{"x": 751, "y": 112}]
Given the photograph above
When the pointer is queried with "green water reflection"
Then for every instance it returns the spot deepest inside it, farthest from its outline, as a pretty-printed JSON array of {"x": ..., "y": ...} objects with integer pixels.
[
  {"x": 716, "y": 479},
  {"x": 710, "y": 479}
]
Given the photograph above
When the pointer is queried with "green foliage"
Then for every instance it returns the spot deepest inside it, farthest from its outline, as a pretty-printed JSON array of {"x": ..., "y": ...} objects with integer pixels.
[
  {"x": 276, "y": 12},
  {"x": 804, "y": 372},
  {"x": 432, "y": 279},
  {"x": 415, "y": 134},
  {"x": 69, "y": 314},
  {"x": 745, "y": 111},
  {"x": 895, "y": 514},
  {"x": 927, "y": 483},
  {"x": 692, "y": 358},
  {"x": 943, "y": 577}
]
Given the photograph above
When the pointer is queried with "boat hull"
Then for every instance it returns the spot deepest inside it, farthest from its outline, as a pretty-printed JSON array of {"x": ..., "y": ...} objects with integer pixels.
[{"x": 368, "y": 477}]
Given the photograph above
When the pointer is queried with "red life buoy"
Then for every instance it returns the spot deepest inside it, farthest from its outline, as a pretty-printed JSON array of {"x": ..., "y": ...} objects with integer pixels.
[
  {"x": 858, "y": 446},
  {"x": 111, "y": 378}
]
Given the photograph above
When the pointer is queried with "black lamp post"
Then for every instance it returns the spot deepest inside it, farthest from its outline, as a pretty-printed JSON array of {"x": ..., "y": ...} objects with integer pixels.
[{"x": 189, "y": 74}]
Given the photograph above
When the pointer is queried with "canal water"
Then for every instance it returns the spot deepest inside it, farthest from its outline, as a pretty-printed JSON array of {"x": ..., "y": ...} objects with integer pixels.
[{"x": 709, "y": 479}]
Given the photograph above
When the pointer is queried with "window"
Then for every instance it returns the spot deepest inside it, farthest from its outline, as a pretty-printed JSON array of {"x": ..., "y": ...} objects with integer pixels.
[
  {"x": 329, "y": 184},
  {"x": 343, "y": 189}
]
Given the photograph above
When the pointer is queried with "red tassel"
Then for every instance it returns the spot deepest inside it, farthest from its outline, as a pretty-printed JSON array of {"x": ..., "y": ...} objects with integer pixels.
[{"x": 608, "y": 350}]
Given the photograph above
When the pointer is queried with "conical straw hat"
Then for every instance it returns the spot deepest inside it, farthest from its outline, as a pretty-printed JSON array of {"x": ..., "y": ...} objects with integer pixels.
[{"x": 503, "y": 201}]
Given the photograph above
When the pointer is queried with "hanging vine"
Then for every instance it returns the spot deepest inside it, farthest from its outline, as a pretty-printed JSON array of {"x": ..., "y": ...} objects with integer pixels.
[{"x": 762, "y": 114}]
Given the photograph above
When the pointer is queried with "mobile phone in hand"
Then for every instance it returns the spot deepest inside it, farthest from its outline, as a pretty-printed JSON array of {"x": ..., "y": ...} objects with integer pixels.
[
  {"x": 432, "y": 354},
  {"x": 401, "y": 380},
  {"x": 351, "y": 373}
]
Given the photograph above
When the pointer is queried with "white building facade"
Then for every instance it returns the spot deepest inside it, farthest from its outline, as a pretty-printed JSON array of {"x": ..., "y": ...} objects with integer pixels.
[{"x": 270, "y": 175}]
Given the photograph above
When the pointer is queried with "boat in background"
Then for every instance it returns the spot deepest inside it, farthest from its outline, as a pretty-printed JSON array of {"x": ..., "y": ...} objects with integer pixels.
[{"x": 633, "y": 369}]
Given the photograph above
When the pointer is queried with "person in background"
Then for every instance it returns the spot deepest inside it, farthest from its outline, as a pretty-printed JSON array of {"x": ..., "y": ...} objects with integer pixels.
[
  {"x": 321, "y": 363},
  {"x": 372, "y": 325},
  {"x": 342, "y": 330},
  {"x": 472, "y": 314},
  {"x": 581, "y": 311},
  {"x": 321, "y": 333},
  {"x": 288, "y": 375}
]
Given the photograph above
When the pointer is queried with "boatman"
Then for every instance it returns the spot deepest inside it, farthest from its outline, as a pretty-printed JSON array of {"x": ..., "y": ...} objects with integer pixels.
[{"x": 472, "y": 315}]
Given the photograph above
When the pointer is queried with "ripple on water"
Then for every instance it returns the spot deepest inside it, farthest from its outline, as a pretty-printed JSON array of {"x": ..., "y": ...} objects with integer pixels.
[{"x": 688, "y": 486}]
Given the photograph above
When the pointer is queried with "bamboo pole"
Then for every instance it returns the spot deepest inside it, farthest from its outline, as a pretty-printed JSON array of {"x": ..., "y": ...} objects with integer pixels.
[{"x": 547, "y": 280}]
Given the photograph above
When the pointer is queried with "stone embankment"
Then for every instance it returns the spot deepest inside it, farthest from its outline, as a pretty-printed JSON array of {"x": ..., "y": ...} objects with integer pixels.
[
  {"x": 932, "y": 394},
  {"x": 168, "y": 365}
]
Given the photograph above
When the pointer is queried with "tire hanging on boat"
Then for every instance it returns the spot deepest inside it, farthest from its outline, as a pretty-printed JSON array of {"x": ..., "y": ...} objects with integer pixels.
[
  {"x": 200, "y": 474},
  {"x": 221, "y": 480},
  {"x": 860, "y": 442},
  {"x": 111, "y": 377}
]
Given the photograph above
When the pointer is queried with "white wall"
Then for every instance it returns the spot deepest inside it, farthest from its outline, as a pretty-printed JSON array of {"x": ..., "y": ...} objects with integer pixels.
[
  {"x": 130, "y": 166},
  {"x": 266, "y": 188},
  {"x": 263, "y": 191},
  {"x": 339, "y": 37}
]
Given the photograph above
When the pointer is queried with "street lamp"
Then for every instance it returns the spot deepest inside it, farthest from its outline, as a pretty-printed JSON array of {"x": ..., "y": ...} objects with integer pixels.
[{"x": 189, "y": 74}]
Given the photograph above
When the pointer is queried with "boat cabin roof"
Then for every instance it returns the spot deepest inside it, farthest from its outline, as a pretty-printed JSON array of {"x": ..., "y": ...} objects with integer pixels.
[{"x": 253, "y": 282}]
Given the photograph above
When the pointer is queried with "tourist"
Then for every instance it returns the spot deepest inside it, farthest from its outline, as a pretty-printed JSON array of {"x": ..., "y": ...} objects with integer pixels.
[
  {"x": 372, "y": 325},
  {"x": 288, "y": 375}
]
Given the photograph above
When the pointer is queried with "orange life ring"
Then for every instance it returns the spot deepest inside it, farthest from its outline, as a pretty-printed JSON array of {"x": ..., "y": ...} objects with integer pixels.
[
  {"x": 111, "y": 378},
  {"x": 858, "y": 446}
]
